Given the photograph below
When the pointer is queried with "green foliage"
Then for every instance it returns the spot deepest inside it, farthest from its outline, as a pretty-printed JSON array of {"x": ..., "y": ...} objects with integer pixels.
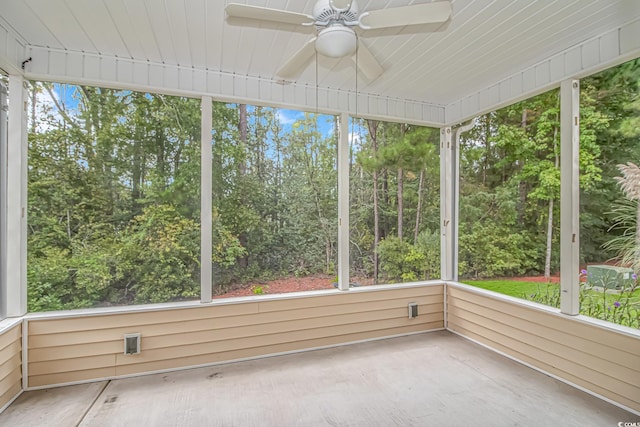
[
  {"x": 400, "y": 260},
  {"x": 159, "y": 255},
  {"x": 114, "y": 198},
  {"x": 259, "y": 289},
  {"x": 622, "y": 308}
]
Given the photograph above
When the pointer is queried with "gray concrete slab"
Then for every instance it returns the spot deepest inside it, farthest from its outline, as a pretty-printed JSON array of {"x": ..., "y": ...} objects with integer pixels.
[
  {"x": 56, "y": 407},
  {"x": 433, "y": 379}
]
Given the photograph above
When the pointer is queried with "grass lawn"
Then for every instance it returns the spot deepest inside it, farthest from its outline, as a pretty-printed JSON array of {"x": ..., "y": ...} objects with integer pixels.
[{"x": 514, "y": 288}]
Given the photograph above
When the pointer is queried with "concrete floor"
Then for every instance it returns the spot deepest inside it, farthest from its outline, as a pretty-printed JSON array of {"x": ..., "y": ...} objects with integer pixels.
[{"x": 432, "y": 379}]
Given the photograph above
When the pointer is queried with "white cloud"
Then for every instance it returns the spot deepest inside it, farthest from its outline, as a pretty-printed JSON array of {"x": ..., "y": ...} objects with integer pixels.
[{"x": 287, "y": 117}]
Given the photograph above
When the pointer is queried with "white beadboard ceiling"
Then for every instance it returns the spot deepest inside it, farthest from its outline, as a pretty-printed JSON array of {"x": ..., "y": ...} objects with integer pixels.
[{"x": 486, "y": 43}]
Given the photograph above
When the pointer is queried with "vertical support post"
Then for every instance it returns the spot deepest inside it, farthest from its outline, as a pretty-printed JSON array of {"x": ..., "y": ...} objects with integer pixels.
[
  {"x": 4, "y": 107},
  {"x": 447, "y": 172},
  {"x": 206, "y": 187},
  {"x": 14, "y": 232},
  {"x": 343, "y": 203},
  {"x": 569, "y": 196},
  {"x": 456, "y": 194}
]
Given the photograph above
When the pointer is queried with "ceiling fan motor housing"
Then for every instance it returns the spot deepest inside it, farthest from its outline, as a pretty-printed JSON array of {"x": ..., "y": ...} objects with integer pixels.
[
  {"x": 335, "y": 39},
  {"x": 325, "y": 11}
]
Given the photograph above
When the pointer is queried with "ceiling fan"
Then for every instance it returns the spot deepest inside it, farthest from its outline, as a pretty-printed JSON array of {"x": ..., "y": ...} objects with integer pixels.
[{"x": 336, "y": 22}]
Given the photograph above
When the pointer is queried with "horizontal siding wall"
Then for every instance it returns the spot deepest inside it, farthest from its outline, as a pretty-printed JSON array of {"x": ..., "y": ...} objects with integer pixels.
[
  {"x": 10, "y": 363},
  {"x": 596, "y": 358},
  {"x": 64, "y": 350}
]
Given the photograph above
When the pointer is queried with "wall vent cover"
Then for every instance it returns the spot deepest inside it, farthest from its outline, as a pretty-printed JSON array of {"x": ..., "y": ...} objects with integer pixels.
[
  {"x": 131, "y": 343},
  {"x": 413, "y": 310}
]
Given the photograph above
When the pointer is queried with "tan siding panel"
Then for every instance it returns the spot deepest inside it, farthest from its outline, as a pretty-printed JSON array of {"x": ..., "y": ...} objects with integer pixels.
[
  {"x": 68, "y": 377},
  {"x": 10, "y": 336},
  {"x": 579, "y": 358},
  {"x": 75, "y": 351},
  {"x": 90, "y": 347},
  {"x": 9, "y": 351},
  {"x": 69, "y": 365},
  {"x": 11, "y": 391},
  {"x": 9, "y": 366},
  {"x": 264, "y": 340},
  {"x": 349, "y": 298},
  {"x": 13, "y": 377},
  {"x": 581, "y": 344},
  {"x": 90, "y": 322},
  {"x": 98, "y": 322},
  {"x": 427, "y": 305},
  {"x": 258, "y": 330},
  {"x": 561, "y": 363},
  {"x": 558, "y": 322},
  {"x": 265, "y": 350},
  {"x": 624, "y": 400}
]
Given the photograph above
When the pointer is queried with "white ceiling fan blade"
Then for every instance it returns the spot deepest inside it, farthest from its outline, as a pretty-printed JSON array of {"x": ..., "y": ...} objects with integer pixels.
[
  {"x": 296, "y": 63},
  {"x": 236, "y": 10},
  {"x": 427, "y": 13},
  {"x": 367, "y": 63}
]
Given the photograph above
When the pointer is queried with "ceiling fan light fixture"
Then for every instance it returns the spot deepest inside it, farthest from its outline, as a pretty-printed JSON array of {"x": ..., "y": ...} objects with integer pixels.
[{"x": 336, "y": 42}]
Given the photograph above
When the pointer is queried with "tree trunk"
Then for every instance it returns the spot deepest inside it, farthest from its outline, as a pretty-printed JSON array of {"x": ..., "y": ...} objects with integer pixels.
[
  {"x": 487, "y": 147},
  {"x": 547, "y": 260},
  {"x": 34, "y": 100},
  {"x": 373, "y": 133},
  {"x": 243, "y": 128},
  {"x": 419, "y": 208},
  {"x": 400, "y": 201},
  {"x": 522, "y": 185}
]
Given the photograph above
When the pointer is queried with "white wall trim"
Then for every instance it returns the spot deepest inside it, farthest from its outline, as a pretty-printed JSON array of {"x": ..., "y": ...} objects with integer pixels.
[
  {"x": 556, "y": 377},
  {"x": 25, "y": 354},
  {"x": 611, "y": 48}
]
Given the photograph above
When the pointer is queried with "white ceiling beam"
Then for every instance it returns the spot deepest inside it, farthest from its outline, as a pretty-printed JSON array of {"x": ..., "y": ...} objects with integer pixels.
[{"x": 77, "y": 67}]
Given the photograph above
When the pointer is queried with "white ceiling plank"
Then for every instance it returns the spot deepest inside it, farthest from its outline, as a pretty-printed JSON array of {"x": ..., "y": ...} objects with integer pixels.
[
  {"x": 401, "y": 63},
  {"x": 28, "y": 25},
  {"x": 518, "y": 40},
  {"x": 92, "y": 17},
  {"x": 132, "y": 24},
  {"x": 178, "y": 29},
  {"x": 433, "y": 57},
  {"x": 506, "y": 34},
  {"x": 195, "y": 11},
  {"x": 214, "y": 28},
  {"x": 59, "y": 20},
  {"x": 159, "y": 20},
  {"x": 551, "y": 42}
]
